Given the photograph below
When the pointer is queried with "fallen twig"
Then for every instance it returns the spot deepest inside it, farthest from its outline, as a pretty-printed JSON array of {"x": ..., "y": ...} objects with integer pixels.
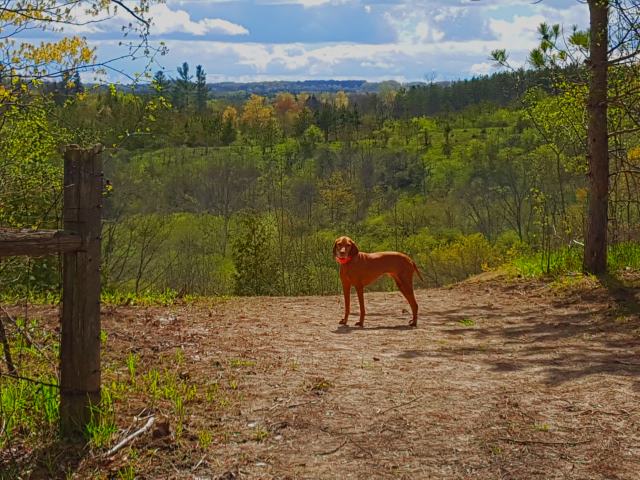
[
  {"x": 362, "y": 449},
  {"x": 635, "y": 364},
  {"x": 195, "y": 467},
  {"x": 131, "y": 437},
  {"x": 335, "y": 449},
  {"x": 303, "y": 403},
  {"x": 541, "y": 442},
  {"x": 401, "y": 405}
]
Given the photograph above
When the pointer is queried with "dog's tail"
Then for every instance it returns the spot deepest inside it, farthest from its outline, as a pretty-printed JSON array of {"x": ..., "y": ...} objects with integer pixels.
[{"x": 415, "y": 267}]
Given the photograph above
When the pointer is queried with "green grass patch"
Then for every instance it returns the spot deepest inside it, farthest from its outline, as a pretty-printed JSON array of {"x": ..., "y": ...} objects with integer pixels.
[
  {"x": 467, "y": 322},
  {"x": 28, "y": 408},
  {"x": 144, "y": 299},
  {"x": 241, "y": 363},
  {"x": 563, "y": 261}
]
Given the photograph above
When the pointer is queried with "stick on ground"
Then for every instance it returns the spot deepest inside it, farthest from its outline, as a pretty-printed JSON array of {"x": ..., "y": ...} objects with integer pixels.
[{"x": 131, "y": 437}]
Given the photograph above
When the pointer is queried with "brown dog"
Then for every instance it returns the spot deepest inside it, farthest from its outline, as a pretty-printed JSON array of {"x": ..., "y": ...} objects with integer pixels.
[{"x": 359, "y": 269}]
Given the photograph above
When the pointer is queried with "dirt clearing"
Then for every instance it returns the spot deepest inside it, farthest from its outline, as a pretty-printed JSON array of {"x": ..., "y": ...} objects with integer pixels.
[{"x": 499, "y": 380}]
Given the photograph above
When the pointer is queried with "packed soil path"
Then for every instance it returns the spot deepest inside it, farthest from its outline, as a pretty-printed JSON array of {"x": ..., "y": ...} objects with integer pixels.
[{"x": 499, "y": 380}]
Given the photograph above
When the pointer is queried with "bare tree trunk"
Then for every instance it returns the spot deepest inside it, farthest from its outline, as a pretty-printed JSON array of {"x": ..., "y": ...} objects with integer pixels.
[{"x": 595, "y": 250}]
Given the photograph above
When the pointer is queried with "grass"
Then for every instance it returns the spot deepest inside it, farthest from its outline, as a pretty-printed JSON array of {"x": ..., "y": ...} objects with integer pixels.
[
  {"x": 126, "y": 473},
  {"x": 144, "y": 299},
  {"x": 102, "y": 427},
  {"x": 467, "y": 322},
  {"x": 29, "y": 412},
  {"x": 132, "y": 363},
  {"x": 320, "y": 385},
  {"x": 205, "y": 439},
  {"x": 27, "y": 407},
  {"x": 107, "y": 297},
  {"x": 621, "y": 257},
  {"x": 260, "y": 434},
  {"x": 542, "y": 427},
  {"x": 241, "y": 363}
]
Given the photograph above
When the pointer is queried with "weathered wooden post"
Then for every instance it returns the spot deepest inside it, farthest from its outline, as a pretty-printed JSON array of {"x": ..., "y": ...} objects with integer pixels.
[{"x": 80, "y": 329}]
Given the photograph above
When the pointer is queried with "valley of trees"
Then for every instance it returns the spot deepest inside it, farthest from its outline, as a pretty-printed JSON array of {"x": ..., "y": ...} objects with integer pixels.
[{"x": 209, "y": 196}]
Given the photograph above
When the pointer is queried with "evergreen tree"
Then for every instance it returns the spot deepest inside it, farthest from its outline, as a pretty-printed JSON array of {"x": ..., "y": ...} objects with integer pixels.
[
  {"x": 201, "y": 89},
  {"x": 183, "y": 88},
  {"x": 160, "y": 82}
]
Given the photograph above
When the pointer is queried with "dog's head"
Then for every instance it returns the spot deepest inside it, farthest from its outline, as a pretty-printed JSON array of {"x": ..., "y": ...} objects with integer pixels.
[{"x": 344, "y": 249}]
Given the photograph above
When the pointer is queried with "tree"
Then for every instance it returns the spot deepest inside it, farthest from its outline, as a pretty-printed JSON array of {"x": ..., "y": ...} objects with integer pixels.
[
  {"x": 229, "y": 125},
  {"x": 26, "y": 64},
  {"x": 201, "y": 89},
  {"x": 287, "y": 110},
  {"x": 253, "y": 258},
  {"x": 183, "y": 88},
  {"x": 160, "y": 82},
  {"x": 595, "y": 247},
  {"x": 259, "y": 122},
  {"x": 610, "y": 47}
]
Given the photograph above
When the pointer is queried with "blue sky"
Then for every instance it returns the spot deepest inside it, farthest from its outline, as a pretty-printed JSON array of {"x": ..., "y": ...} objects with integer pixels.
[{"x": 405, "y": 40}]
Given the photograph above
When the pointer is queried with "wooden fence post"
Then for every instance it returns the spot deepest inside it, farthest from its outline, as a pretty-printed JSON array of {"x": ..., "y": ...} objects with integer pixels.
[{"x": 80, "y": 329}]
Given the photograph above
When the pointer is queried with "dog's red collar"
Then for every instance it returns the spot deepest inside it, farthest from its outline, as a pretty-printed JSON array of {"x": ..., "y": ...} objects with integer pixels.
[{"x": 342, "y": 261}]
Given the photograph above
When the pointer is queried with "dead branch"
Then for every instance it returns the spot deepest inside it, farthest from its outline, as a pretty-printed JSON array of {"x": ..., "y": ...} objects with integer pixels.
[
  {"x": 334, "y": 450},
  {"x": 360, "y": 447},
  {"x": 31, "y": 380},
  {"x": 22, "y": 331},
  {"x": 622, "y": 362},
  {"x": 401, "y": 405},
  {"x": 541, "y": 442},
  {"x": 199, "y": 463},
  {"x": 25, "y": 334},
  {"x": 7, "y": 351},
  {"x": 131, "y": 437}
]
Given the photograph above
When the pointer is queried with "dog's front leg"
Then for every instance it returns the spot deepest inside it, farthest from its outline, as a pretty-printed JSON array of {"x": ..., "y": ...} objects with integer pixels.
[
  {"x": 360, "y": 292},
  {"x": 346, "y": 290}
]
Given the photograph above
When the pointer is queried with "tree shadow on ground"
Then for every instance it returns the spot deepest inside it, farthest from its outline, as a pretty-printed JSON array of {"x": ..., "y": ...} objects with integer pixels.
[
  {"x": 579, "y": 335},
  {"x": 56, "y": 459}
]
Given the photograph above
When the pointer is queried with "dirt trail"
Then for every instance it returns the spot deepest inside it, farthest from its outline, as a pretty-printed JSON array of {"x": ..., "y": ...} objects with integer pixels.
[{"x": 498, "y": 381}]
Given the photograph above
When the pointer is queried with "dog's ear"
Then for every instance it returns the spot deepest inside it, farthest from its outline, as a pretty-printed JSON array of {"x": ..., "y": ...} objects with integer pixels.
[
  {"x": 335, "y": 248},
  {"x": 354, "y": 248}
]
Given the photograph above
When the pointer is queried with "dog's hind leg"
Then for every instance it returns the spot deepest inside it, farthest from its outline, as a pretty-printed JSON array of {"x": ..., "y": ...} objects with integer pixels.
[
  {"x": 406, "y": 288},
  {"x": 360, "y": 292}
]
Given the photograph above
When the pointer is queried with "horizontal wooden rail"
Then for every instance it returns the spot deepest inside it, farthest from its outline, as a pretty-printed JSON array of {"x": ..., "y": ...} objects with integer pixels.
[{"x": 37, "y": 242}]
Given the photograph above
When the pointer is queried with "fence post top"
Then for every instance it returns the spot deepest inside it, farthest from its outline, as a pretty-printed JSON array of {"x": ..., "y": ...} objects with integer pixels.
[{"x": 97, "y": 148}]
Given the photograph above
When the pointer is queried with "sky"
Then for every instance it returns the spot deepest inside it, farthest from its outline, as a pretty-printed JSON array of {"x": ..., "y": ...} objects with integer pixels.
[{"x": 375, "y": 40}]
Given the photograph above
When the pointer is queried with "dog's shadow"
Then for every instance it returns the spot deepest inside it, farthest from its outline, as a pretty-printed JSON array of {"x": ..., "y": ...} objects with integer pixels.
[{"x": 346, "y": 329}]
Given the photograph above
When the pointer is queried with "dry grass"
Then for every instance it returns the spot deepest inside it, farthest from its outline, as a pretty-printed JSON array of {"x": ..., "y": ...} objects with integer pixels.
[{"x": 500, "y": 380}]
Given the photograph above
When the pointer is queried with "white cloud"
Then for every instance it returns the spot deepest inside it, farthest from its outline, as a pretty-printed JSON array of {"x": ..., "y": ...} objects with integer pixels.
[
  {"x": 483, "y": 68},
  {"x": 518, "y": 33},
  {"x": 429, "y": 40},
  {"x": 165, "y": 20},
  {"x": 308, "y": 3},
  {"x": 413, "y": 25},
  {"x": 448, "y": 13},
  {"x": 381, "y": 65},
  {"x": 332, "y": 60}
]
